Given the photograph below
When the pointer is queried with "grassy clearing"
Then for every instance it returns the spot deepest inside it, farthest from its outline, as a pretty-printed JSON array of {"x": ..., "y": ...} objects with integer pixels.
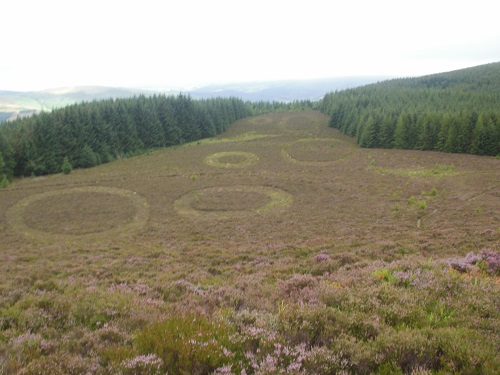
[{"x": 164, "y": 262}]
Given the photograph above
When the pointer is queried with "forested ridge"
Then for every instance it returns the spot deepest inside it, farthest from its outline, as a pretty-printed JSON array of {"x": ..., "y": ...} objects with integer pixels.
[
  {"x": 456, "y": 112},
  {"x": 90, "y": 133}
]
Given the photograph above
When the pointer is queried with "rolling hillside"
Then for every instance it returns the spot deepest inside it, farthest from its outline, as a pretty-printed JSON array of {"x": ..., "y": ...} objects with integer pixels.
[
  {"x": 14, "y": 103},
  {"x": 452, "y": 112},
  {"x": 279, "y": 246},
  {"x": 195, "y": 237}
]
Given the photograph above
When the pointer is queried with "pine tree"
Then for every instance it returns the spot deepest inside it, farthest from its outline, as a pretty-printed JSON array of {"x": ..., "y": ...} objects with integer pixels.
[
  {"x": 4, "y": 182},
  {"x": 27, "y": 158},
  {"x": 66, "y": 166},
  {"x": 386, "y": 132},
  {"x": 402, "y": 133},
  {"x": 483, "y": 139},
  {"x": 444, "y": 128},
  {"x": 452, "y": 143},
  {"x": 368, "y": 138},
  {"x": 171, "y": 132},
  {"x": 87, "y": 158}
]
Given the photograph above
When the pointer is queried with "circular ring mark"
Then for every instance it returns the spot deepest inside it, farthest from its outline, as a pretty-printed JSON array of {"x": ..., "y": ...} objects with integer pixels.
[
  {"x": 234, "y": 159},
  {"x": 16, "y": 215},
  {"x": 277, "y": 200},
  {"x": 341, "y": 150}
]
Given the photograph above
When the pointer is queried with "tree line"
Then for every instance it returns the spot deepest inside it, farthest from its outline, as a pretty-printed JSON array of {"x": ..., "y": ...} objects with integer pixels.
[
  {"x": 451, "y": 112},
  {"x": 91, "y": 133},
  {"x": 88, "y": 134}
]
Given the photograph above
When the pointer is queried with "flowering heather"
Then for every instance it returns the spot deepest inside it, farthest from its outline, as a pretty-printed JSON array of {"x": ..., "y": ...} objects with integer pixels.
[
  {"x": 492, "y": 260},
  {"x": 486, "y": 259},
  {"x": 332, "y": 282},
  {"x": 142, "y": 364},
  {"x": 321, "y": 257}
]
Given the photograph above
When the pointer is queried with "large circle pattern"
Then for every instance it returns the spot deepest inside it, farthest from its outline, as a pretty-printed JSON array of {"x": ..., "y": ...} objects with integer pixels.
[
  {"x": 341, "y": 150},
  {"x": 16, "y": 215},
  {"x": 278, "y": 200},
  {"x": 234, "y": 159}
]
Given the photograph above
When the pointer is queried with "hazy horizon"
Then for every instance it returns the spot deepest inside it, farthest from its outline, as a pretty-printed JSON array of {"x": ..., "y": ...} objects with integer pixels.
[
  {"x": 161, "y": 87},
  {"x": 177, "y": 45}
]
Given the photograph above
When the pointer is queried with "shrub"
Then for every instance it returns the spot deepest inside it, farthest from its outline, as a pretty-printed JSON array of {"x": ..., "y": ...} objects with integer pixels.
[
  {"x": 4, "y": 182},
  {"x": 301, "y": 288},
  {"x": 432, "y": 193},
  {"x": 144, "y": 364},
  {"x": 385, "y": 275},
  {"x": 26, "y": 347},
  {"x": 491, "y": 261},
  {"x": 487, "y": 260},
  {"x": 406, "y": 350},
  {"x": 186, "y": 344},
  {"x": 421, "y": 204},
  {"x": 62, "y": 364},
  {"x": 66, "y": 166}
]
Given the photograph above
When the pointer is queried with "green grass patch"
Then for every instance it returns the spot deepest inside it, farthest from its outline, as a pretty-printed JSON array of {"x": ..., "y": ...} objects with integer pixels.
[{"x": 437, "y": 171}]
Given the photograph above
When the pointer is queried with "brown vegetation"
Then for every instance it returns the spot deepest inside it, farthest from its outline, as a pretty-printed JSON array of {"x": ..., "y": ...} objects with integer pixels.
[{"x": 310, "y": 248}]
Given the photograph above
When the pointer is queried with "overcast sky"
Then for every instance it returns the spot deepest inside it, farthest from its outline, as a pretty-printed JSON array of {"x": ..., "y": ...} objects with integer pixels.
[{"x": 183, "y": 43}]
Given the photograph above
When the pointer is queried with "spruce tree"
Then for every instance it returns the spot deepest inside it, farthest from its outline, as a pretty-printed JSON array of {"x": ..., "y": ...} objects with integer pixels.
[
  {"x": 66, "y": 166},
  {"x": 369, "y": 136},
  {"x": 402, "y": 134},
  {"x": 4, "y": 182},
  {"x": 483, "y": 139}
]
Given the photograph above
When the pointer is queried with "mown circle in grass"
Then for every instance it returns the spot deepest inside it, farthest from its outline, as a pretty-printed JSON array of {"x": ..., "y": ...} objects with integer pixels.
[
  {"x": 85, "y": 213},
  {"x": 232, "y": 201},
  {"x": 317, "y": 151},
  {"x": 231, "y": 159}
]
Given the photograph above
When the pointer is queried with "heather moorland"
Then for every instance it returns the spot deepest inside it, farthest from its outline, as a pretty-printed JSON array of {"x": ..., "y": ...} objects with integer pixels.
[{"x": 279, "y": 246}]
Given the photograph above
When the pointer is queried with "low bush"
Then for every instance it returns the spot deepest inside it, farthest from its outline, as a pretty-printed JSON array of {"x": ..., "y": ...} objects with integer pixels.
[{"x": 186, "y": 344}]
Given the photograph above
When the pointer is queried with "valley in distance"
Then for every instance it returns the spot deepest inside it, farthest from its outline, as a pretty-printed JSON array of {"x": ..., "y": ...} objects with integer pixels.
[{"x": 14, "y": 104}]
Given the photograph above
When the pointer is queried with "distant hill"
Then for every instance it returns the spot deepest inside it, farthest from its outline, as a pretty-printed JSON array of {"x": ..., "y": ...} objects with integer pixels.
[
  {"x": 283, "y": 91},
  {"x": 15, "y": 104}
]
